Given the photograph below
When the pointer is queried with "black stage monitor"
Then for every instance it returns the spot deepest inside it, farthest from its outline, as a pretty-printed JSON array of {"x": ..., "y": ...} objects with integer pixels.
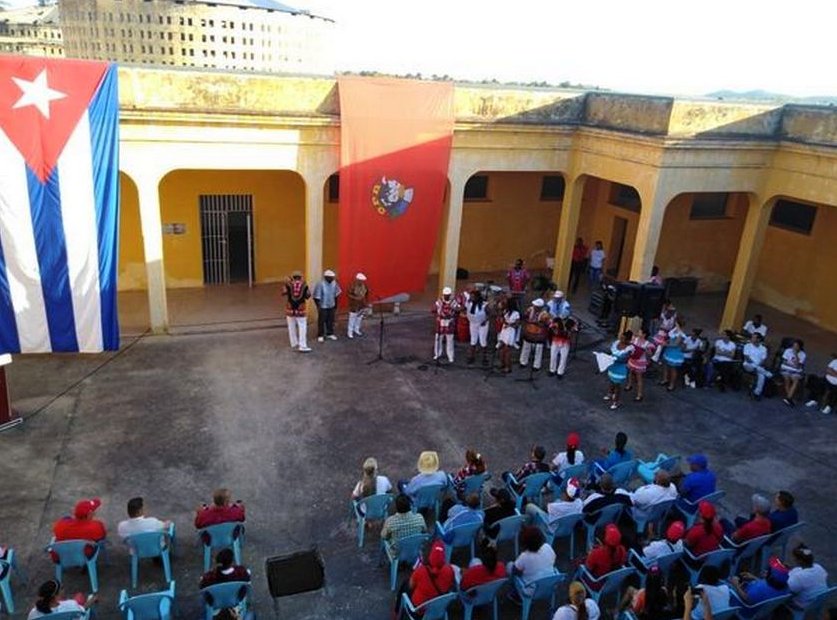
[
  {"x": 651, "y": 301},
  {"x": 294, "y": 573},
  {"x": 627, "y": 298}
]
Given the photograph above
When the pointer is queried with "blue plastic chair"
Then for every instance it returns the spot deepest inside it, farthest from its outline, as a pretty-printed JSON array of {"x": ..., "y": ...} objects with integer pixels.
[
  {"x": 6, "y": 567},
  {"x": 71, "y": 615},
  {"x": 533, "y": 488},
  {"x": 718, "y": 558},
  {"x": 781, "y": 539},
  {"x": 230, "y": 594},
  {"x": 759, "y": 611},
  {"x": 608, "y": 514},
  {"x": 815, "y": 608},
  {"x": 647, "y": 469},
  {"x": 371, "y": 508},
  {"x": 429, "y": 496},
  {"x": 459, "y": 536},
  {"x": 153, "y": 606},
  {"x": 579, "y": 470},
  {"x": 409, "y": 550},
  {"x": 727, "y": 613},
  {"x": 689, "y": 509},
  {"x": 71, "y": 555},
  {"x": 151, "y": 545},
  {"x": 221, "y": 536},
  {"x": 542, "y": 589},
  {"x": 434, "y": 609},
  {"x": 509, "y": 529},
  {"x": 623, "y": 472},
  {"x": 747, "y": 550},
  {"x": 562, "y": 527},
  {"x": 655, "y": 515},
  {"x": 600, "y": 587},
  {"x": 474, "y": 484},
  {"x": 479, "y": 596},
  {"x": 664, "y": 562}
]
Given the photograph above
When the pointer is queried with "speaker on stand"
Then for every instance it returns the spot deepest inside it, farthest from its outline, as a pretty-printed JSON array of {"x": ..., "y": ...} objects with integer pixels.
[{"x": 294, "y": 573}]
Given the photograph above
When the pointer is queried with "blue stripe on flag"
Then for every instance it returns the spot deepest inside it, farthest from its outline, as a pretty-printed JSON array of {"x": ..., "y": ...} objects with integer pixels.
[
  {"x": 48, "y": 225},
  {"x": 104, "y": 136},
  {"x": 9, "y": 341}
]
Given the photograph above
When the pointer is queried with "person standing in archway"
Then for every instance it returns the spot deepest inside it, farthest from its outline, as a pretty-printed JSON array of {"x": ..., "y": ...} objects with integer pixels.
[
  {"x": 297, "y": 294},
  {"x": 579, "y": 263}
]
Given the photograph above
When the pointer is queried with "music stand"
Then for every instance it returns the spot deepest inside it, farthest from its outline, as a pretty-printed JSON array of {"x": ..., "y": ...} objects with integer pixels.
[
  {"x": 531, "y": 379},
  {"x": 394, "y": 299}
]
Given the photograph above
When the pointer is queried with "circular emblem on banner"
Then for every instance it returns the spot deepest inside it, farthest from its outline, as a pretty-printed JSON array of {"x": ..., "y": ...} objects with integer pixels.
[{"x": 390, "y": 197}]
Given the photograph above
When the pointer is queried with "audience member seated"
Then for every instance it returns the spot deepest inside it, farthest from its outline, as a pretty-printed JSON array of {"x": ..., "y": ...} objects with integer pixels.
[
  {"x": 608, "y": 555},
  {"x": 568, "y": 503},
  {"x": 225, "y": 570},
  {"x": 757, "y": 525},
  {"x": 81, "y": 526},
  {"x": 504, "y": 506},
  {"x": 537, "y": 558},
  {"x": 432, "y": 577},
  {"x": 474, "y": 465},
  {"x": 751, "y": 590},
  {"x": 694, "y": 349},
  {"x": 221, "y": 511},
  {"x": 652, "y": 601},
  {"x": 649, "y": 495},
  {"x": 428, "y": 474},
  {"x": 672, "y": 543},
  {"x": 822, "y": 391},
  {"x": 706, "y": 534},
  {"x": 403, "y": 523},
  {"x": 793, "y": 369},
  {"x": 137, "y": 522},
  {"x": 606, "y": 495},
  {"x": 619, "y": 454},
  {"x": 710, "y": 593},
  {"x": 807, "y": 578},
  {"x": 755, "y": 355},
  {"x": 463, "y": 514},
  {"x": 755, "y": 326},
  {"x": 699, "y": 482},
  {"x": 50, "y": 601},
  {"x": 534, "y": 465},
  {"x": 571, "y": 456},
  {"x": 579, "y": 606},
  {"x": 784, "y": 514},
  {"x": 371, "y": 482},
  {"x": 228, "y": 613},
  {"x": 483, "y": 569},
  {"x": 723, "y": 362}
]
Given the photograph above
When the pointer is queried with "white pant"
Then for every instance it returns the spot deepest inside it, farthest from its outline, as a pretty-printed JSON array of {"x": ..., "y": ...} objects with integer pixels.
[
  {"x": 355, "y": 319},
  {"x": 554, "y": 351},
  {"x": 761, "y": 375},
  {"x": 437, "y": 349},
  {"x": 298, "y": 331},
  {"x": 479, "y": 334},
  {"x": 527, "y": 349}
]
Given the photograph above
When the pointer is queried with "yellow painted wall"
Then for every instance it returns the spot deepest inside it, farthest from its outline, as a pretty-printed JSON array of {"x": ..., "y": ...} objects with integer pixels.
[
  {"x": 596, "y": 224},
  {"x": 704, "y": 248},
  {"x": 513, "y": 223},
  {"x": 796, "y": 271},
  {"x": 131, "y": 273},
  {"x": 278, "y": 220}
]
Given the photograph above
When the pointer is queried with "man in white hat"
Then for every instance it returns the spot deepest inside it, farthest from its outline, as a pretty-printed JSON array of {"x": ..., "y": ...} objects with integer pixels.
[
  {"x": 535, "y": 333},
  {"x": 569, "y": 503},
  {"x": 358, "y": 300},
  {"x": 558, "y": 306},
  {"x": 325, "y": 296},
  {"x": 297, "y": 294},
  {"x": 445, "y": 309}
]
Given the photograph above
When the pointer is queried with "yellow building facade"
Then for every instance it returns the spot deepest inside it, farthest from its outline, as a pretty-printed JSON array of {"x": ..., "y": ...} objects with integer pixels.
[
  {"x": 31, "y": 31},
  {"x": 742, "y": 197}
]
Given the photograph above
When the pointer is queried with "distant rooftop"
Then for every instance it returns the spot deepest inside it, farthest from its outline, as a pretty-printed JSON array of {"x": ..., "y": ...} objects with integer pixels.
[
  {"x": 267, "y": 5},
  {"x": 35, "y": 15}
]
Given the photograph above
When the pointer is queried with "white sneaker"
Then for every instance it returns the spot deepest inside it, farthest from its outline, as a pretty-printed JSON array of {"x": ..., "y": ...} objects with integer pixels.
[
  {"x": 351, "y": 335},
  {"x": 826, "y": 410},
  {"x": 304, "y": 349},
  {"x": 693, "y": 385},
  {"x": 608, "y": 398},
  {"x": 811, "y": 403},
  {"x": 614, "y": 405},
  {"x": 358, "y": 332},
  {"x": 332, "y": 337},
  {"x": 320, "y": 339}
]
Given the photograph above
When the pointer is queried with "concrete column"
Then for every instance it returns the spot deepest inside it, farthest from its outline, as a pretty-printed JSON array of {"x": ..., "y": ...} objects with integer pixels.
[
  {"x": 152, "y": 241},
  {"x": 453, "y": 228},
  {"x": 567, "y": 229},
  {"x": 651, "y": 216},
  {"x": 314, "y": 184},
  {"x": 747, "y": 262}
]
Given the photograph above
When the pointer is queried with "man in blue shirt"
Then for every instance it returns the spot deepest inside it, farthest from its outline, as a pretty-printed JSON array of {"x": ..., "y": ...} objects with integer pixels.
[
  {"x": 753, "y": 591},
  {"x": 700, "y": 482},
  {"x": 784, "y": 514},
  {"x": 325, "y": 296}
]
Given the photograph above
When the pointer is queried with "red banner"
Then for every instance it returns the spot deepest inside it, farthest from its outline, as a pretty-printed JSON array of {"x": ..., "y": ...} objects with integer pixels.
[{"x": 394, "y": 153}]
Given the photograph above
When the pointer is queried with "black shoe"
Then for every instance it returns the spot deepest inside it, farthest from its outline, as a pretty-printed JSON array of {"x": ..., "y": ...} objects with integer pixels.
[
  {"x": 560, "y": 377},
  {"x": 549, "y": 373}
]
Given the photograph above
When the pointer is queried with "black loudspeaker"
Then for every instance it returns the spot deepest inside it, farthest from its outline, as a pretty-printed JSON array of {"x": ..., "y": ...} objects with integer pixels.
[
  {"x": 294, "y": 573},
  {"x": 651, "y": 301},
  {"x": 627, "y": 298}
]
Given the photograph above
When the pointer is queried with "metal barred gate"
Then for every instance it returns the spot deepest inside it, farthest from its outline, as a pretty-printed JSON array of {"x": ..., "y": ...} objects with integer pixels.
[{"x": 227, "y": 238}]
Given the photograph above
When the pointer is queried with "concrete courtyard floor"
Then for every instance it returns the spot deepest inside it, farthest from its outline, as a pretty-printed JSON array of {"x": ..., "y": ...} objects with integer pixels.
[{"x": 172, "y": 417}]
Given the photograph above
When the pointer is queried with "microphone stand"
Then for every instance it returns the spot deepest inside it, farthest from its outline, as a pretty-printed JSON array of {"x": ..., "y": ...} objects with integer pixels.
[{"x": 380, "y": 357}]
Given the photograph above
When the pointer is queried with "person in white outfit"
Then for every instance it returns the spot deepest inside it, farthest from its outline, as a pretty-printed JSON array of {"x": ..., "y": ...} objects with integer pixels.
[
  {"x": 755, "y": 354},
  {"x": 297, "y": 294},
  {"x": 445, "y": 310},
  {"x": 358, "y": 294},
  {"x": 649, "y": 495},
  {"x": 476, "y": 309},
  {"x": 535, "y": 334}
]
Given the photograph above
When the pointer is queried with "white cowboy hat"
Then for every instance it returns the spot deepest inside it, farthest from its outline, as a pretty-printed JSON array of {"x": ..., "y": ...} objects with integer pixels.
[
  {"x": 538, "y": 303},
  {"x": 447, "y": 291},
  {"x": 360, "y": 277},
  {"x": 428, "y": 462},
  {"x": 328, "y": 273}
]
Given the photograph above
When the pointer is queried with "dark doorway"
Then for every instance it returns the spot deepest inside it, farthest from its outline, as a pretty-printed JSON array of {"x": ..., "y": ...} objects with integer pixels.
[
  {"x": 238, "y": 239},
  {"x": 227, "y": 238},
  {"x": 617, "y": 245}
]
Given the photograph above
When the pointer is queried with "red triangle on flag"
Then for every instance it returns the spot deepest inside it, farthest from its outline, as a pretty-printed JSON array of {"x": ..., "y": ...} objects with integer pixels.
[{"x": 41, "y": 102}]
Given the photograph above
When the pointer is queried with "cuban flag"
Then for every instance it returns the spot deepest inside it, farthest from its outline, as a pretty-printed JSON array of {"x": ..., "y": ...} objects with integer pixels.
[{"x": 59, "y": 205}]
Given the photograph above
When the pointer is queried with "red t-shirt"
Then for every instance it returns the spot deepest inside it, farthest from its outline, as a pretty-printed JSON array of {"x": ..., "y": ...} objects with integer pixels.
[
  {"x": 478, "y": 575},
  {"x": 579, "y": 253},
  {"x": 603, "y": 559},
  {"x": 699, "y": 541},
  {"x": 758, "y": 526},
  {"x": 68, "y": 528},
  {"x": 428, "y": 584},
  {"x": 213, "y": 515}
]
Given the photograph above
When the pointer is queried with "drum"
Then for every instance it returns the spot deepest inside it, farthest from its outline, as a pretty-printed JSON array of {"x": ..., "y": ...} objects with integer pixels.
[
  {"x": 536, "y": 333},
  {"x": 618, "y": 372},
  {"x": 463, "y": 329},
  {"x": 673, "y": 356}
]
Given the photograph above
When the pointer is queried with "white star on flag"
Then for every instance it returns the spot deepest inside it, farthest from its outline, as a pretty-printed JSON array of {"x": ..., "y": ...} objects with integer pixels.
[{"x": 37, "y": 93}]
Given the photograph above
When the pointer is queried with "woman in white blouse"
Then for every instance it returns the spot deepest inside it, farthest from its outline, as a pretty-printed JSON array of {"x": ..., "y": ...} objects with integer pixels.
[{"x": 792, "y": 369}]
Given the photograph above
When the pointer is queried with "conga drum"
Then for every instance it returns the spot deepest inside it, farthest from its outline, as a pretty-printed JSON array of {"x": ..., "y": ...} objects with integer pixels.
[
  {"x": 618, "y": 372},
  {"x": 673, "y": 356},
  {"x": 536, "y": 333},
  {"x": 463, "y": 329}
]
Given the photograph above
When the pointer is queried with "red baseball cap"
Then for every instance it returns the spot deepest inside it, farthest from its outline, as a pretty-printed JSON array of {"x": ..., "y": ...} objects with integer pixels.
[
  {"x": 612, "y": 535},
  {"x": 675, "y": 531},
  {"x": 85, "y": 507},
  {"x": 706, "y": 510},
  {"x": 573, "y": 440}
]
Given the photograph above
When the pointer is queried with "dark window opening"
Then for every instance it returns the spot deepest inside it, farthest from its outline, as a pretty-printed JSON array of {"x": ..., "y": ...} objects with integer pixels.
[
  {"x": 794, "y": 216},
  {"x": 709, "y": 205},
  {"x": 476, "y": 188},
  {"x": 552, "y": 187}
]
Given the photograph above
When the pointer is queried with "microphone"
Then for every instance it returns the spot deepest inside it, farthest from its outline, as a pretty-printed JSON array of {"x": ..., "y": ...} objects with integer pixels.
[{"x": 401, "y": 298}]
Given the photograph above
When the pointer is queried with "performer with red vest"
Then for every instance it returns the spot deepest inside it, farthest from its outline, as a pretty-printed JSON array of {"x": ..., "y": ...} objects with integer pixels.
[
  {"x": 445, "y": 310},
  {"x": 297, "y": 294},
  {"x": 518, "y": 279}
]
